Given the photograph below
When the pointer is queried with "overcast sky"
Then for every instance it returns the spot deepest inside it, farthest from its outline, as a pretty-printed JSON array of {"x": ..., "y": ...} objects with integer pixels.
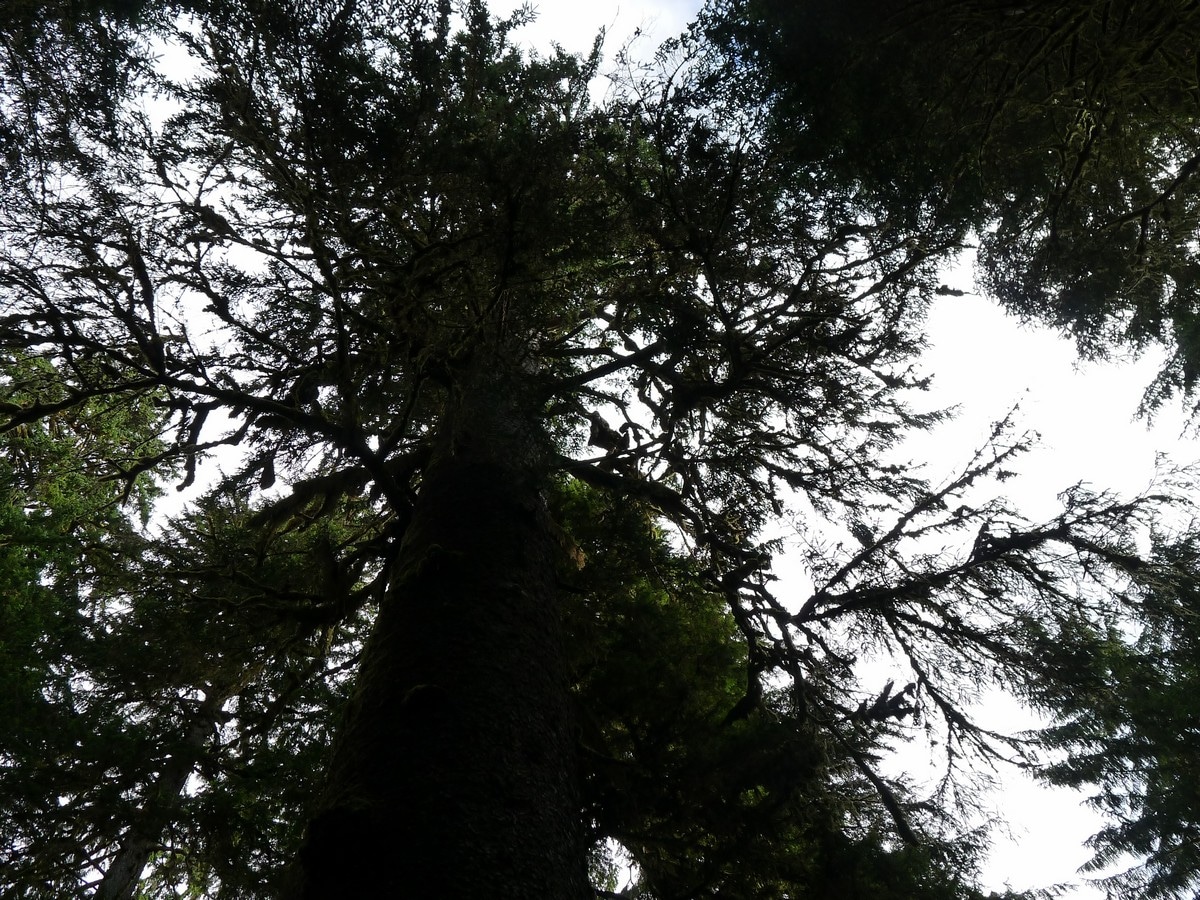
[{"x": 984, "y": 362}]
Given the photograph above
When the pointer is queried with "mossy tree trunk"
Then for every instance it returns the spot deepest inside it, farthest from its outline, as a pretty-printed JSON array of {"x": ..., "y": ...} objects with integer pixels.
[{"x": 455, "y": 775}]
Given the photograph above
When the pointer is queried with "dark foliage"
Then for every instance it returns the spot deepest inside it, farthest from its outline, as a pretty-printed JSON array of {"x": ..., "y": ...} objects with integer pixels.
[{"x": 495, "y": 400}]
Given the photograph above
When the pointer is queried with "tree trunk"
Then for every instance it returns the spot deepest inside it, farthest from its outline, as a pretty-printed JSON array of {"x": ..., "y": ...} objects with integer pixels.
[{"x": 455, "y": 774}]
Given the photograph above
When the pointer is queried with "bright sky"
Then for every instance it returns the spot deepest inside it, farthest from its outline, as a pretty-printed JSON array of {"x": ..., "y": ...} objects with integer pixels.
[
  {"x": 984, "y": 362},
  {"x": 575, "y": 24}
]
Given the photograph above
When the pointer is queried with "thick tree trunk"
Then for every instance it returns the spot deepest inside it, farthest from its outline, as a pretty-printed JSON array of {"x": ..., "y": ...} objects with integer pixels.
[{"x": 455, "y": 774}]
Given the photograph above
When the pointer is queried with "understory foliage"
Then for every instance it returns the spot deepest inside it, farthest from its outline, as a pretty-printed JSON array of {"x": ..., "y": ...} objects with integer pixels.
[{"x": 295, "y": 258}]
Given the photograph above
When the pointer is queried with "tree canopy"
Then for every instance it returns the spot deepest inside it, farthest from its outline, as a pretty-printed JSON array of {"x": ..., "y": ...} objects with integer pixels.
[
  {"x": 1059, "y": 137},
  {"x": 498, "y": 403}
]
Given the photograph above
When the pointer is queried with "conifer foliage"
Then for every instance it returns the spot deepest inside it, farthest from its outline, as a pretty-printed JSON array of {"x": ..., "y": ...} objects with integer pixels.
[{"x": 493, "y": 402}]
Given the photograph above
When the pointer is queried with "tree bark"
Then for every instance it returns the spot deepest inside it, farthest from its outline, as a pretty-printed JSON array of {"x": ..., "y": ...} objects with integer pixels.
[{"x": 455, "y": 773}]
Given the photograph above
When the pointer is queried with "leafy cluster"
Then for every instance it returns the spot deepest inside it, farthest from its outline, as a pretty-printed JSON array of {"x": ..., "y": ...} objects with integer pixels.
[{"x": 151, "y": 682}]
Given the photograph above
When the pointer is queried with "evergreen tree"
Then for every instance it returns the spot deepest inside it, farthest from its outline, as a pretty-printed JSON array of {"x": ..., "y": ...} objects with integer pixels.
[
  {"x": 1125, "y": 727},
  {"x": 498, "y": 394},
  {"x": 61, "y": 525},
  {"x": 1057, "y": 138},
  {"x": 124, "y": 654}
]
